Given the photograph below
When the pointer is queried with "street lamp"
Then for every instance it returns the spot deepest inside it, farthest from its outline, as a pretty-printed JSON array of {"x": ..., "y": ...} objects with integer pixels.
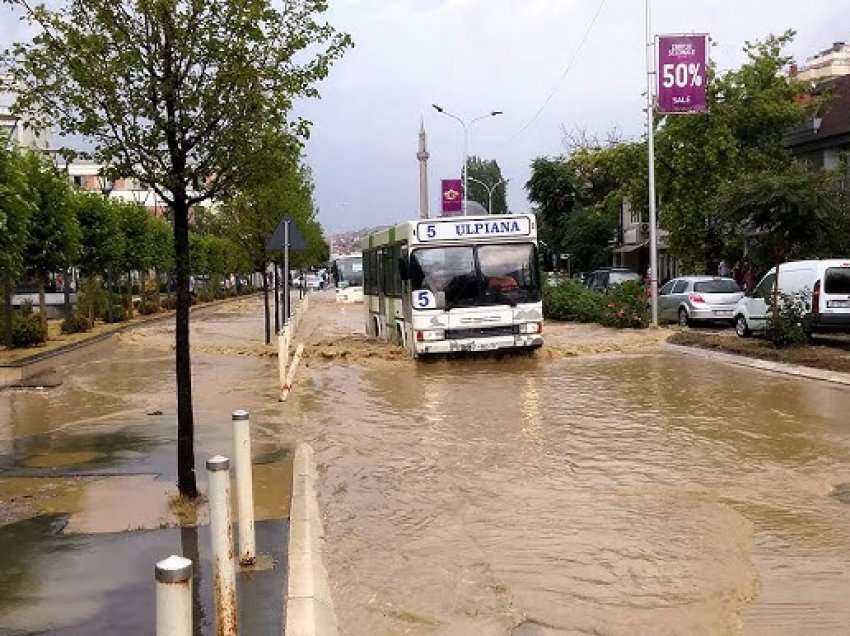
[
  {"x": 466, "y": 127},
  {"x": 490, "y": 191}
]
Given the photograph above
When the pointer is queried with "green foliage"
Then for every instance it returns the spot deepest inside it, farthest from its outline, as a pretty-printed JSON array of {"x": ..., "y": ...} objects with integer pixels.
[
  {"x": 91, "y": 299},
  {"x": 28, "y": 329},
  {"x": 119, "y": 313},
  {"x": 626, "y": 306},
  {"x": 786, "y": 325},
  {"x": 15, "y": 212},
  {"x": 750, "y": 110},
  {"x": 572, "y": 301},
  {"x": 54, "y": 234},
  {"x": 78, "y": 323},
  {"x": 487, "y": 171},
  {"x": 622, "y": 307},
  {"x": 102, "y": 242}
]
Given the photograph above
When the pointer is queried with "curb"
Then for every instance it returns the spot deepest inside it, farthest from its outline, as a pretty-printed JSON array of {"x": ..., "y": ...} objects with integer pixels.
[
  {"x": 309, "y": 606},
  {"x": 794, "y": 370}
]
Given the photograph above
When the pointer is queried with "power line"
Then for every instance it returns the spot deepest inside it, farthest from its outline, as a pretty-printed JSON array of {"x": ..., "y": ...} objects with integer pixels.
[{"x": 566, "y": 72}]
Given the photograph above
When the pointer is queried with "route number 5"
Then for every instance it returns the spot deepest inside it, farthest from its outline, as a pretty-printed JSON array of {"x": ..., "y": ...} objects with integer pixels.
[
  {"x": 424, "y": 299},
  {"x": 431, "y": 231}
]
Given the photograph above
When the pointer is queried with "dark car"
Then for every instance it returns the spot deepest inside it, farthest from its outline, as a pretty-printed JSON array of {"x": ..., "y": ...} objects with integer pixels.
[{"x": 603, "y": 279}]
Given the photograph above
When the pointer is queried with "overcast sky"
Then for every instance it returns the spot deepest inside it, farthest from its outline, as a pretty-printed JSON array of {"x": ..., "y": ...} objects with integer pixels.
[{"x": 474, "y": 56}]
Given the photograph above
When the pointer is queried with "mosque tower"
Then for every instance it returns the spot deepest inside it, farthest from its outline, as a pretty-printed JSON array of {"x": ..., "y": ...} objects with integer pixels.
[{"x": 422, "y": 156}]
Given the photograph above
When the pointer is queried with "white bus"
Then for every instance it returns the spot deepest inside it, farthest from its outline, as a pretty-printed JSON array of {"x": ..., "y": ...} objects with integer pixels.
[
  {"x": 455, "y": 284},
  {"x": 347, "y": 271}
]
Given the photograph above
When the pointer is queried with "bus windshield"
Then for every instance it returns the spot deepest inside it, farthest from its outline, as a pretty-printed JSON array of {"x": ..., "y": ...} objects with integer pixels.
[
  {"x": 349, "y": 271},
  {"x": 471, "y": 276}
]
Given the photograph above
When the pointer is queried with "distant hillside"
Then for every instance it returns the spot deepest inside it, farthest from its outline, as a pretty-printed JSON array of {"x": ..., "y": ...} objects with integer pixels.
[{"x": 349, "y": 242}]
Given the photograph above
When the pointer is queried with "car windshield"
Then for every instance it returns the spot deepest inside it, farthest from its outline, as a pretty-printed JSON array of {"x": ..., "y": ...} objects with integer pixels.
[
  {"x": 719, "y": 286},
  {"x": 482, "y": 275},
  {"x": 837, "y": 280},
  {"x": 616, "y": 278}
]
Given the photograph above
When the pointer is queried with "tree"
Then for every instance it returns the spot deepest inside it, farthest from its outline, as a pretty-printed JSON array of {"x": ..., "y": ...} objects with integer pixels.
[
  {"x": 552, "y": 188},
  {"x": 101, "y": 240},
  {"x": 482, "y": 171},
  {"x": 750, "y": 111},
  {"x": 15, "y": 210},
  {"x": 791, "y": 210},
  {"x": 54, "y": 236},
  {"x": 136, "y": 226},
  {"x": 174, "y": 93}
]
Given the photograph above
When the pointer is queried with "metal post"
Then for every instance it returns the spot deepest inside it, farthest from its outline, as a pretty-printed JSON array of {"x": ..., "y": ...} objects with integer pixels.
[
  {"x": 174, "y": 597},
  {"x": 224, "y": 571},
  {"x": 244, "y": 487},
  {"x": 650, "y": 146},
  {"x": 465, "y": 167},
  {"x": 286, "y": 272}
]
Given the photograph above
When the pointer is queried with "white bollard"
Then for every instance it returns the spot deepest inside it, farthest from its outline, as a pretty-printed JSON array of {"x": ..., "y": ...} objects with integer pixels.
[
  {"x": 174, "y": 597},
  {"x": 290, "y": 376},
  {"x": 224, "y": 570},
  {"x": 282, "y": 354},
  {"x": 244, "y": 486}
]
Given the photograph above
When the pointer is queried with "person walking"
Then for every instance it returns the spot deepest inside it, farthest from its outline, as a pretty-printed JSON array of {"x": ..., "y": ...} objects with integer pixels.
[
  {"x": 723, "y": 269},
  {"x": 747, "y": 277}
]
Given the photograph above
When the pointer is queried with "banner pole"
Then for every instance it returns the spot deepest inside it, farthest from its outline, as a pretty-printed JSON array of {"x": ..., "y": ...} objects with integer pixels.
[{"x": 650, "y": 146}]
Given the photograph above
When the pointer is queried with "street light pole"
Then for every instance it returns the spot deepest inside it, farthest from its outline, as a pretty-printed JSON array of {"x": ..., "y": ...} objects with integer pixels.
[
  {"x": 650, "y": 147},
  {"x": 466, "y": 128},
  {"x": 490, "y": 191}
]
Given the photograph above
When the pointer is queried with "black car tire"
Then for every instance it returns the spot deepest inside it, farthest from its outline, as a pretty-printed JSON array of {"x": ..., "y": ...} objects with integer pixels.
[
  {"x": 684, "y": 320},
  {"x": 741, "y": 327}
]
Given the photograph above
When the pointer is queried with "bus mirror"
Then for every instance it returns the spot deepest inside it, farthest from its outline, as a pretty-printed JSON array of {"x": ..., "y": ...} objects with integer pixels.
[{"x": 402, "y": 268}]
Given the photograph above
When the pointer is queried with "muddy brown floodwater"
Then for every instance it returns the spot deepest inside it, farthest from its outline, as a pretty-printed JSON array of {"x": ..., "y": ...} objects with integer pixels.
[{"x": 625, "y": 493}]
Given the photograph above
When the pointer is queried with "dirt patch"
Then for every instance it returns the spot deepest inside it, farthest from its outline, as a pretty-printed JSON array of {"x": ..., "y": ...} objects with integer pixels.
[{"x": 821, "y": 355}]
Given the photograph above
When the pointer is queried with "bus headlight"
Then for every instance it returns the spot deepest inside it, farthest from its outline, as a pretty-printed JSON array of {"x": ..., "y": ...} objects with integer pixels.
[
  {"x": 430, "y": 335},
  {"x": 531, "y": 327}
]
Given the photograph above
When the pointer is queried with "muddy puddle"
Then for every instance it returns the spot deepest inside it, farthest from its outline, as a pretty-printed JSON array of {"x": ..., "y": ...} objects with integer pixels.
[{"x": 636, "y": 491}]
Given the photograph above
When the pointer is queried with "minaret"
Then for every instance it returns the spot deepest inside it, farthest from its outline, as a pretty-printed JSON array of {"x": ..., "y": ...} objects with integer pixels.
[{"x": 422, "y": 156}]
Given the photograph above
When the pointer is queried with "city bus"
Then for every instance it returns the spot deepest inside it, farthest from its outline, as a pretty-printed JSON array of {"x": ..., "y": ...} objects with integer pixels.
[
  {"x": 347, "y": 271},
  {"x": 454, "y": 284}
]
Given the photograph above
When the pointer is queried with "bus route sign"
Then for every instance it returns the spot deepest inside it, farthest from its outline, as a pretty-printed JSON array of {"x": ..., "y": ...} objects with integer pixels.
[{"x": 463, "y": 229}]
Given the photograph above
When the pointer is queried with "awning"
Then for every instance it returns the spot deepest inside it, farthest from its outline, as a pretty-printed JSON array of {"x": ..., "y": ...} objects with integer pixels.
[{"x": 627, "y": 249}]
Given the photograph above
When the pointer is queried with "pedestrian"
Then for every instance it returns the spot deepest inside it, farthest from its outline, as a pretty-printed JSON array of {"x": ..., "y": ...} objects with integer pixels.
[
  {"x": 738, "y": 274},
  {"x": 748, "y": 278},
  {"x": 723, "y": 269}
]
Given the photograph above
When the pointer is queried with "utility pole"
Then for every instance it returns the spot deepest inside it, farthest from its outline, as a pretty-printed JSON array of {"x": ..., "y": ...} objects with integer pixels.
[
  {"x": 490, "y": 191},
  {"x": 650, "y": 148}
]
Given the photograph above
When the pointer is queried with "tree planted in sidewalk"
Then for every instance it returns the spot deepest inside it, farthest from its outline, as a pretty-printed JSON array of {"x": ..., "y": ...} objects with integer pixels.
[
  {"x": 54, "y": 236},
  {"x": 173, "y": 93},
  {"x": 15, "y": 210}
]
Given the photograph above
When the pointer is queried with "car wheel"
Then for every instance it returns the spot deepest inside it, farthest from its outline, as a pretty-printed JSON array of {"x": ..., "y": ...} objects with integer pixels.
[
  {"x": 741, "y": 327},
  {"x": 684, "y": 321}
]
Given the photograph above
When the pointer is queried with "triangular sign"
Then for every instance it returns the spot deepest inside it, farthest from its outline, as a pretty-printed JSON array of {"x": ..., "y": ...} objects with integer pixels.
[{"x": 276, "y": 242}]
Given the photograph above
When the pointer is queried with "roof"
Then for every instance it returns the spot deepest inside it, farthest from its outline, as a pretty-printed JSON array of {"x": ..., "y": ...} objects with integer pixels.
[{"x": 829, "y": 127}]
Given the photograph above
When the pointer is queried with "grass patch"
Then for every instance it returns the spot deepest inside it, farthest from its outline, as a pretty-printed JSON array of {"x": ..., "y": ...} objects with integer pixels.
[{"x": 824, "y": 354}]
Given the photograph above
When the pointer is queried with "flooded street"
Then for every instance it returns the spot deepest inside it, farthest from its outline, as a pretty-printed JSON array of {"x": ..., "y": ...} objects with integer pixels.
[
  {"x": 610, "y": 494},
  {"x": 605, "y": 485}
]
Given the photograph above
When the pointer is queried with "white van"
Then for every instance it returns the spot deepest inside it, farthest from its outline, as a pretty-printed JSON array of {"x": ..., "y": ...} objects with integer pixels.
[{"x": 823, "y": 286}]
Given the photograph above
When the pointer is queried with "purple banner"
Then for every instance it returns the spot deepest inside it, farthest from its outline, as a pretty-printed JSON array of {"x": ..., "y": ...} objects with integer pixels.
[
  {"x": 452, "y": 197},
  {"x": 682, "y": 62}
]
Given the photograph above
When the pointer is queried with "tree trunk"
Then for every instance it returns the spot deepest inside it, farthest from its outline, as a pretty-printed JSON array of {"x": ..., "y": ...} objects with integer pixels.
[
  {"x": 66, "y": 295},
  {"x": 157, "y": 299},
  {"x": 185, "y": 418},
  {"x": 266, "y": 306},
  {"x": 42, "y": 300},
  {"x": 109, "y": 294},
  {"x": 129, "y": 294},
  {"x": 7, "y": 310}
]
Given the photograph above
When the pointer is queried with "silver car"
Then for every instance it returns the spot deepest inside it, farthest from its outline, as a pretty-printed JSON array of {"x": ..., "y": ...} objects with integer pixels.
[{"x": 692, "y": 299}]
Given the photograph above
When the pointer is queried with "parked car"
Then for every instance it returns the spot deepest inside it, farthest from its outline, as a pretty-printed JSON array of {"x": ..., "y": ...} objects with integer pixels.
[
  {"x": 603, "y": 279},
  {"x": 822, "y": 286},
  {"x": 691, "y": 299}
]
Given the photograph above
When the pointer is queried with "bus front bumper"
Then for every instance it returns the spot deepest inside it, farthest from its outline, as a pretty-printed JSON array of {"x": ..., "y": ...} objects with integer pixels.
[{"x": 479, "y": 344}]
